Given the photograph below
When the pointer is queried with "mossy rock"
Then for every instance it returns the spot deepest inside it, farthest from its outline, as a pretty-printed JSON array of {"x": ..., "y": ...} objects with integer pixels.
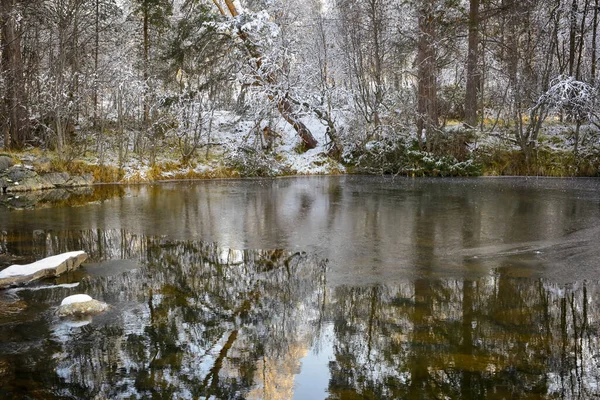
[{"x": 82, "y": 308}]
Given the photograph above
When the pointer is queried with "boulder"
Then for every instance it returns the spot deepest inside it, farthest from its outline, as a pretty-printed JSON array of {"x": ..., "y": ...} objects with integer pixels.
[
  {"x": 20, "y": 178},
  {"x": 23, "y": 178},
  {"x": 49, "y": 267},
  {"x": 18, "y": 173},
  {"x": 76, "y": 181},
  {"x": 5, "y": 163},
  {"x": 29, "y": 184},
  {"x": 80, "y": 305},
  {"x": 89, "y": 178},
  {"x": 57, "y": 179}
]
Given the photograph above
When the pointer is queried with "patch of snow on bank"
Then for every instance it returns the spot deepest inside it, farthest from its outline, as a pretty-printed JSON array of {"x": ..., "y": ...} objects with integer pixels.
[
  {"x": 46, "y": 263},
  {"x": 312, "y": 162}
]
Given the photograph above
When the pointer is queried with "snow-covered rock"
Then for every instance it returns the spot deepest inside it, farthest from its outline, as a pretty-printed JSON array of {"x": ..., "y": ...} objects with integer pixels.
[
  {"x": 76, "y": 298},
  {"x": 16, "y": 275},
  {"x": 80, "y": 305}
]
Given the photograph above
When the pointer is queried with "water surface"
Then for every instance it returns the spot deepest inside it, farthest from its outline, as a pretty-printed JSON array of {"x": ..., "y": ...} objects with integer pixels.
[{"x": 320, "y": 287}]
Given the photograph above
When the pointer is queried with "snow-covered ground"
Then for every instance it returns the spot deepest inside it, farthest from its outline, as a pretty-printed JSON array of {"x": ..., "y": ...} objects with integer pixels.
[{"x": 229, "y": 135}]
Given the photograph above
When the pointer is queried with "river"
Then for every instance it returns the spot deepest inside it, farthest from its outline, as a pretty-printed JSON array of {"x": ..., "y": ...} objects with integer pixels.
[{"x": 311, "y": 287}]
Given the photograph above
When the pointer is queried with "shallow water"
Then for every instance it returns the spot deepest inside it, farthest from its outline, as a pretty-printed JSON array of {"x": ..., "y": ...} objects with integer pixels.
[{"x": 308, "y": 288}]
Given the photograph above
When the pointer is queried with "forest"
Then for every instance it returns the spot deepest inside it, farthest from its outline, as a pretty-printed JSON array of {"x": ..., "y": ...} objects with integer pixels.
[{"x": 134, "y": 90}]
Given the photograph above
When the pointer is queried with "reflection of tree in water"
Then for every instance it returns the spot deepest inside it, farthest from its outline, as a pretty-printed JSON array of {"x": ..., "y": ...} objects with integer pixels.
[
  {"x": 196, "y": 320},
  {"x": 497, "y": 337}
]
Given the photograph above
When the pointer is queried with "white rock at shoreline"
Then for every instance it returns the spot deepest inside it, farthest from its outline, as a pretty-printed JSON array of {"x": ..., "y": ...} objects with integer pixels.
[
  {"x": 46, "y": 263},
  {"x": 46, "y": 268}
]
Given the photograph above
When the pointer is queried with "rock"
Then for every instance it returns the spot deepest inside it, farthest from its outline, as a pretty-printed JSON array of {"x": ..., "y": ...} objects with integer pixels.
[
  {"x": 89, "y": 178},
  {"x": 57, "y": 179},
  {"x": 19, "y": 178},
  {"x": 76, "y": 181},
  {"x": 80, "y": 305},
  {"x": 29, "y": 184},
  {"x": 5, "y": 163},
  {"x": 18, "y": 173},
  {"x": 49, "y": 267},
  {"x": 23, "y": 178},
  {"x": 3, "y": 184}
]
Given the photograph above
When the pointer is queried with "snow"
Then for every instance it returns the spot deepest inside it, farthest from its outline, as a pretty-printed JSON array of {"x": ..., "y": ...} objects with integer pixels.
[
  {"x": 76, "y": 298},
  {"x": 62, "y": 285},
  {"x": 46, "y": 263}
]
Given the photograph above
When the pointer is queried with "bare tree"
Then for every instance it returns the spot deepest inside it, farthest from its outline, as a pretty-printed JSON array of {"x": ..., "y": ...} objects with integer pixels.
[
  {"x": 15, "y": 99},
  {"x": 473, "y": 74},
  {"x": 427, "y": 108}
]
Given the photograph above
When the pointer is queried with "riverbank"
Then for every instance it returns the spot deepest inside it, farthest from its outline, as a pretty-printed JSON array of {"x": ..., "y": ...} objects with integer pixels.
[{"x": 235, "y": 156}]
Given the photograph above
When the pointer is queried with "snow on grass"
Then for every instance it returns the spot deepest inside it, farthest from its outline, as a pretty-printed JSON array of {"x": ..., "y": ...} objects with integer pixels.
[
  {"x": 76, "y": 298},
  {"x": 312, "y": 162},
  {"x": 46, "y": 263},
  {"x": 229, "y": 133}
]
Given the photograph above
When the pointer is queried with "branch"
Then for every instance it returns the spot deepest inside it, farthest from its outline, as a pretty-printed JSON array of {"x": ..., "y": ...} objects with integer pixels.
[{"x": 216, "y": 2}]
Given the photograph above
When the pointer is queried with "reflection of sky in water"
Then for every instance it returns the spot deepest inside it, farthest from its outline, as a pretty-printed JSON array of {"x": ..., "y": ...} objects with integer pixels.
[{"x": 313, "y": 379}]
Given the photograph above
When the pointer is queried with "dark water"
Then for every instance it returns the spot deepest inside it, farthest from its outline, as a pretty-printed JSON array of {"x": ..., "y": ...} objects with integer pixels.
[{"x": 311, "y": 288}]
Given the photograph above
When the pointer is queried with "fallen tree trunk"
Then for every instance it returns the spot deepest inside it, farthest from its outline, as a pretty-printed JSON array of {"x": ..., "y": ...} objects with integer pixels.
[{"x": 286, "y": 110}]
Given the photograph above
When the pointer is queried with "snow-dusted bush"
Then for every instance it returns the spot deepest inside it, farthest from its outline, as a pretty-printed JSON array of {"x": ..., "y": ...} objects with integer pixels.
[
  {"x": 577, "y": 98},
  {"x": 249, "y": 162},
  {"x": 400, "y": 157}
]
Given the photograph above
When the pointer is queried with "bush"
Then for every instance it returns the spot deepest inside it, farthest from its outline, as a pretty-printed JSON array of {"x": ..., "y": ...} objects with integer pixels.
[
  {"x": 398, "y": 157},
  {"x": 252, "y": 163}
]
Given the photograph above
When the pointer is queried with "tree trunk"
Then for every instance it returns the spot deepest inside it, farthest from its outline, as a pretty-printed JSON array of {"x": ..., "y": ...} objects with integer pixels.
[
  {"x": 581, "y": 40},
  {"x": 594, "y": 34},
  {"x": 572, "y": 36},
  {"x": 146, "y": 49},
  {"x": 96, "y": 53},
  {"x": 286, "y": 110},
  {"x": 427, "y": 119},
  {"x": 473, "y": 75},
  {"x": 377, "y": 61},
  {"x": 284, "y": 106},
  {"x": 15, "y": 103}
]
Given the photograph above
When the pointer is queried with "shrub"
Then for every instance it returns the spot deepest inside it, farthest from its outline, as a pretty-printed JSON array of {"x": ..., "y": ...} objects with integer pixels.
[
  {"x": 252, "y": 163},
  {"x": 398, "y": 157}
]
